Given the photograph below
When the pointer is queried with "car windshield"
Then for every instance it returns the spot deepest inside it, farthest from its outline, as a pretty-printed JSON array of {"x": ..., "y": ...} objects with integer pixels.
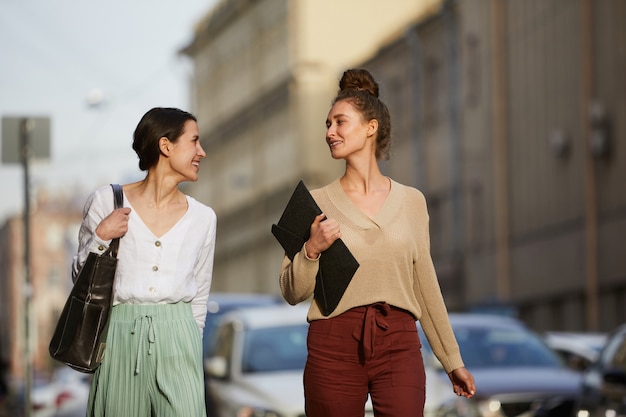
[
  {"x": 498, "y": 347},
  {"x": 275, "y": 349},
  {"x": 216, "y": 309}
]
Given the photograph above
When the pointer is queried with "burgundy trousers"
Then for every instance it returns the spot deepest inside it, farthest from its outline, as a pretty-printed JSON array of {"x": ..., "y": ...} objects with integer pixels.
[{"x": 373, "y": 349}]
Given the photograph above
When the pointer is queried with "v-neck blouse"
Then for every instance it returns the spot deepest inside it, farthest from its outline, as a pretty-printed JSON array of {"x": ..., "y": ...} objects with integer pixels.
[
  {"x": 174, "y": 267},
  {"x": 136, "y": 218},
  {"x": 395, "y": 265}
]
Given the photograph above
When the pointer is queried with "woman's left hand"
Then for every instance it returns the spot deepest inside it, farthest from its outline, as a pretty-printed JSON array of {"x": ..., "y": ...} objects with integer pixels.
[{"x": 462, "y": 382}]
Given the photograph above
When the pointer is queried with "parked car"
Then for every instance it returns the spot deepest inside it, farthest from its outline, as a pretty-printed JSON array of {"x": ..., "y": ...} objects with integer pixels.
[
  {"x": 222, "y": 303},
  {"x": 603, "y": 388},
  {"x": 64, "y": 395},
  {"x": 218, "y": 305},
  {"x": 578, "y": 349},
  {"x": 516, "y": 373},
  {"x": 258, "y": 363}
]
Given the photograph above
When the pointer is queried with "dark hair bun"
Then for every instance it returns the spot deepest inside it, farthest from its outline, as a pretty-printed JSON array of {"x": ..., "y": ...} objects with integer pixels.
[{"x": 358, "y": 79}]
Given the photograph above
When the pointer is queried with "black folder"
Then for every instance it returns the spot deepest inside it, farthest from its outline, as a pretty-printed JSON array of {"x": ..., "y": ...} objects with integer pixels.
[{"x": 337, "y": 265}]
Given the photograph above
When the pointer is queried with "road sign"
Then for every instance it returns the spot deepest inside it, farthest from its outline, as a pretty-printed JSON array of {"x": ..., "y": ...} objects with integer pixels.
[{"x": 12, "y": 137}]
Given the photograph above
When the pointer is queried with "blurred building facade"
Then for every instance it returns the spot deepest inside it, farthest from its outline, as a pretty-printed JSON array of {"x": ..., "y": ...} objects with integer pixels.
[
  {"x": 265, "y": 72},
  {"x": 54, "y": 225},
  {"x": 513, "y": 119},
  {"x": 508, "y": 115}
]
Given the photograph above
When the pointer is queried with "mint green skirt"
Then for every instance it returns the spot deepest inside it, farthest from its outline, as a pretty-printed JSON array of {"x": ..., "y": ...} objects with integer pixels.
[{"x": 152, "y": 365}]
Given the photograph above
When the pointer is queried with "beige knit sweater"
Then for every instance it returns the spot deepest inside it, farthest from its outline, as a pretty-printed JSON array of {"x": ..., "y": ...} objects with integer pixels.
[{"x": 393, "y": 250}]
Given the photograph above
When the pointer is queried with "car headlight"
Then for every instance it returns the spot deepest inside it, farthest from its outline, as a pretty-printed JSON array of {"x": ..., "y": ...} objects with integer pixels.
[
  {"x": 256, "y": 412},
  {"x": 582, "y": 413},
  {"x": 462, "y": 407}
]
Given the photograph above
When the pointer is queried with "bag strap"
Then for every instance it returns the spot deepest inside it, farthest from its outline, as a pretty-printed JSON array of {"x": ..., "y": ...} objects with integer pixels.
[{"x": 118, "y": 200}]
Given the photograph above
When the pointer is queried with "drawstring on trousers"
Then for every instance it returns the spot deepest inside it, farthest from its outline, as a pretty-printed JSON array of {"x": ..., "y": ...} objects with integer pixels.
[
  {"x": 374, "y": 319},
  {"x": 151, "y": 337}
]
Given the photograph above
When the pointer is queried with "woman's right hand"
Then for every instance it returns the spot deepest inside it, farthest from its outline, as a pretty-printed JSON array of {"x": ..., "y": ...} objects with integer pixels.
[
  {"x": 323, "y": 233},
  {"x": 114, "y": 225}
]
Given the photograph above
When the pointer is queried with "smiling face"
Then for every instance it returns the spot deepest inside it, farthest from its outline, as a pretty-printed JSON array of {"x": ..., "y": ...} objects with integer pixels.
[
  {"x": 185, "y": 154},
  {"x": 347, "y": 133}
]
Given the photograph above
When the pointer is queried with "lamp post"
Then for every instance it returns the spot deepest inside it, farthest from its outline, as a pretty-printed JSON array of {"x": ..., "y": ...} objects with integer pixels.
[
  {"x": 26, "y": 127},
  {"x": 22, "y": 139}
]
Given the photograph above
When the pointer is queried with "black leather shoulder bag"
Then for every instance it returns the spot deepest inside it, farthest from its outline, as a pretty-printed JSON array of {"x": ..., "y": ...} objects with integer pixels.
[{"x": 79, "y": 339}]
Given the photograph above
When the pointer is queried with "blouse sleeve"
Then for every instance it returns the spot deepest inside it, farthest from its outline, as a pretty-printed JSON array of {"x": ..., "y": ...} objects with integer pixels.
[
  {"x": 88, "y": 241},
  {"x": 203, "y": 273}
]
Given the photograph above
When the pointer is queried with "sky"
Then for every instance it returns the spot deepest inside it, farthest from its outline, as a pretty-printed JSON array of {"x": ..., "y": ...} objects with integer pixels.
[{"x": 55, "y": 55}]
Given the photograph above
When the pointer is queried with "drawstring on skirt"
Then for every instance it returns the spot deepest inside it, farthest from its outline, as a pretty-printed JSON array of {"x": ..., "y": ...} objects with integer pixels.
[{"x": 142, "y": 334}]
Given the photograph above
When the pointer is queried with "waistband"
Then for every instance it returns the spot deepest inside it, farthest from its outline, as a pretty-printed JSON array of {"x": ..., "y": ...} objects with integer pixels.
[
  {"x": 388, "y": 308},
  {"x": 159, "y": 312}
]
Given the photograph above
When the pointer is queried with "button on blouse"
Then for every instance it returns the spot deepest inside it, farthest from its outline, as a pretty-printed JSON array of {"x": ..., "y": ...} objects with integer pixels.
[{"x": 155, "y": 268}]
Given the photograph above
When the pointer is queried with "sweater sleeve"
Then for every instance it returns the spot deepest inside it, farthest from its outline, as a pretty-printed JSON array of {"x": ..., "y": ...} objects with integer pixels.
[
  {"x": 434, "y": 315},
  {"x": 297, "y": 278}
]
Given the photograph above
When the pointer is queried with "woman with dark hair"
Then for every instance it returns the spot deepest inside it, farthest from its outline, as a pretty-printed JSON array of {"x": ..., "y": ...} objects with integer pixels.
[
  {"x": 153, "y": 359},
  {"x": 369, "y": 343}
]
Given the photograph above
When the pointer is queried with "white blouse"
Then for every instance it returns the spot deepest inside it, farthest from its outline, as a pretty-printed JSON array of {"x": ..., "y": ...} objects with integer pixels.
[{"x": 177, "y": 266}]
